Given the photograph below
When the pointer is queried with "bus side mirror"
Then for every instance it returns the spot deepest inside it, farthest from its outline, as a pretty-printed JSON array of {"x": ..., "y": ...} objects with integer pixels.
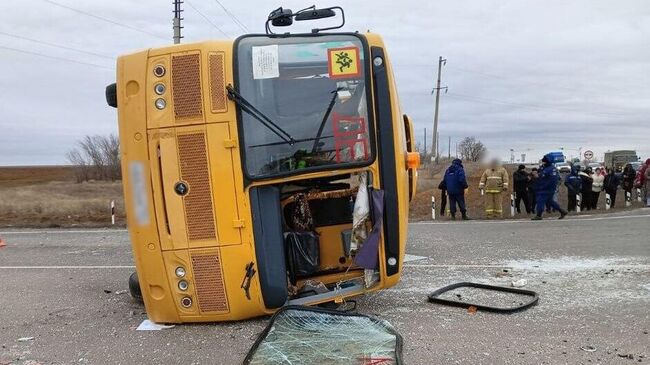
[
  {"x": 315, "y": 14},
  {"x": 281, "y": 17}
]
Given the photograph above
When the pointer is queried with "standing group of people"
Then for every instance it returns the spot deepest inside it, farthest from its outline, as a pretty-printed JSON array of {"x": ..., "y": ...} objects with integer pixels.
[
  {"x": 538, "y": 189},
  {"x": 589, "y": 185}
]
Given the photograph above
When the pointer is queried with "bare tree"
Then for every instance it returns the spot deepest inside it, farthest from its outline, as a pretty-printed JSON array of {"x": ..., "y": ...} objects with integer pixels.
[
  {"x": 96, "y": 157},
  {"x": 82, "y": 169},
  {"x": 471, "y": 149}
]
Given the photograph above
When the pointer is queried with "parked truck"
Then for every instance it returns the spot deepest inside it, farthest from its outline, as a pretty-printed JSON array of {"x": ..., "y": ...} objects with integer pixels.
[{"x": 616, "y": 160}]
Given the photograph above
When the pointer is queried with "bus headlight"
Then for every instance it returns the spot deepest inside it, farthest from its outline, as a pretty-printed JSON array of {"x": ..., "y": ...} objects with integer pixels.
[
  {"x": 182, "y": 285},
  {"x": 159, "y": 89},
  {"x": 186, "y": 302},
  {"x": 159, "y": 70},
  {"x": 160, "y": 103},
  {"x": 392, "y": 261},
  {"x": 180, "y": 271}
]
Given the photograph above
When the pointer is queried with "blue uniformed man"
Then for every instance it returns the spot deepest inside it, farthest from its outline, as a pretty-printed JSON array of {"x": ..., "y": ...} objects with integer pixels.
[{"x": 545, "y": 188}]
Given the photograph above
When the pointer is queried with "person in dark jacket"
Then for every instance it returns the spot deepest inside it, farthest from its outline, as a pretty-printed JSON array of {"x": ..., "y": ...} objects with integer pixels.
[
  {"x": 520, "y": 179},
  {"x": 456, "y": 184},
  {"x": 443, "y": 197},
  {"x": 545, "y": 188},
  {"x": 629, "y": 174},
  {"x": 532, "y": 180},
  {"x": 587, "y": 184},
  {"x": 611, "y": 183},
  {"x": 573, "y": 185}
]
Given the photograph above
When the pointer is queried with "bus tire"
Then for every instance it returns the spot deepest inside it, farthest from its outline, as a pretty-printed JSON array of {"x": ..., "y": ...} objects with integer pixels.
[
  {"x": 134, "y": 287},
  {"x": 111, "y": 95}
]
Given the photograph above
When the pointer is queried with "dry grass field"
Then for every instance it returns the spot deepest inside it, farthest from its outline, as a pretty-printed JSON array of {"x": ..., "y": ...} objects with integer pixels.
[{"x": 49, "y": 197}]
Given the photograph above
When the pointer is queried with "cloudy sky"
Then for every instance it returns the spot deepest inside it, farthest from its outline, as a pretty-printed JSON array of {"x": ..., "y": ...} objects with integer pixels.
[{"x": 531, "y": 76}]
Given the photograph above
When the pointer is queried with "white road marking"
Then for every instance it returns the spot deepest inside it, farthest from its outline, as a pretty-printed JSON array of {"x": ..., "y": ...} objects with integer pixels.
[
  {"x": 64, "y": 267},
  {"x": 63, "y": 231},
  {"x": 462, "y": 266},
  {"x": 546, "y": 219}
]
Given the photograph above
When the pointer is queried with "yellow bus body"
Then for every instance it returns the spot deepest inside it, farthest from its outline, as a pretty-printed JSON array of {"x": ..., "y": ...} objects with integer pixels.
[{"x": 208, "y": 231}]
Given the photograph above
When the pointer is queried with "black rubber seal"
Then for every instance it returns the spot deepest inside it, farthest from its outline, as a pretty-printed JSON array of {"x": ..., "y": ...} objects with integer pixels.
[
  {"x": 387, "y": 158},
  {"x": 398, "y": 338},
  {"x": 435, "y": 297}
]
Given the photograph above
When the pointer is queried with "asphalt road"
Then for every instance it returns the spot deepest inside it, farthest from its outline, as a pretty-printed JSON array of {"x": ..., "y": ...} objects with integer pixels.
[{"x": 592, "y": 275}]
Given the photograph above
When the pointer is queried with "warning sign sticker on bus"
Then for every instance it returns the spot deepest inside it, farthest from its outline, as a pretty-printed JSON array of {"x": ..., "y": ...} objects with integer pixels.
[{"x": 344, "y": 62}]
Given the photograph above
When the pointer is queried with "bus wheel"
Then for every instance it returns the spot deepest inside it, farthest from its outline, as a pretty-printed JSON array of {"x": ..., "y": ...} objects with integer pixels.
[
  {"x": 134, "y": 287},
  {"x": 111, "y": 95}
]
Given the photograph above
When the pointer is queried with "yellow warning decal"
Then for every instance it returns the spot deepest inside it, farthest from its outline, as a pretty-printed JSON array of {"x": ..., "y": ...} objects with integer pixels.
[{"x": 343, "y": 62}]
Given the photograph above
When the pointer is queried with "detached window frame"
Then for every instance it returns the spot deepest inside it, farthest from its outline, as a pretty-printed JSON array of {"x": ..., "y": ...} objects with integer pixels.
[{"x": 244, "y": 55}]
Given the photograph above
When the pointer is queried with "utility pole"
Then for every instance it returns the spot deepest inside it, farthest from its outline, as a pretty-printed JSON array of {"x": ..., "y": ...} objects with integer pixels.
[
  {"x": 434, "y": 149},
  {"x": 177, "y": 21},
  {"x": 449, "y": 149},
  {"x": 425, "y": 143}
]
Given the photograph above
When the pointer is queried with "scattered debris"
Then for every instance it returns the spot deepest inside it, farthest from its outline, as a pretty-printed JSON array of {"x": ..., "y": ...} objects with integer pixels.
[
  {"x": 107, "y": 291},
  {"x": 436, "y": 297},
  {"x": 147, "y": 325},
  {"x": 472, "y": 310},
  {"x": 25, "y": 339},
  {"x": 2, "y": 243},
  {"x": 120, "y": 292},
  {"x": 519, "y": 283},
  {"x": 588, "y": 348},
  {"x": 626, "y": 356}
]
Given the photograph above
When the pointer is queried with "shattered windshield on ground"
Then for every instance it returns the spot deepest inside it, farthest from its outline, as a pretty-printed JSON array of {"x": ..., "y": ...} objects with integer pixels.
[{"x": 306, "y": 336}]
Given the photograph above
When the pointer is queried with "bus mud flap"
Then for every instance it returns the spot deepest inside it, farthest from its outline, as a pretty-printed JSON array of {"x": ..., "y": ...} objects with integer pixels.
[
  {"x": 533, "y": 297},
  {"x": 307, "y": 335}
]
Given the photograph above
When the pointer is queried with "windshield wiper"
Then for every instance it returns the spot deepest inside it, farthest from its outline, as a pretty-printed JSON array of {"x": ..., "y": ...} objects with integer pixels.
[
  {"x": 328, "y": 111},
  {"x": 247, "y": 107}
]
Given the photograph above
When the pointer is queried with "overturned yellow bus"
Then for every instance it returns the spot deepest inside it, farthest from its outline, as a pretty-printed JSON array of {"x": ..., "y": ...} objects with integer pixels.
[{"x": 271, "y": 170}]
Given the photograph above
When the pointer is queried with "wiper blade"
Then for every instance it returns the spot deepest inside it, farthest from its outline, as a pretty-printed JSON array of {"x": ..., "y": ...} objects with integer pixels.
[
  {"x": 325, "y": 117},
  {"x": 247, "y": 107}
]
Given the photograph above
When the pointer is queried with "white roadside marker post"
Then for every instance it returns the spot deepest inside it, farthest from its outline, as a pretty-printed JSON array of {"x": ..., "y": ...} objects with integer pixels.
[
  {"x": 512, "y": 204},
  {"x": 578, "y": 203},
  {"x": 112, "y": 212},
  {"x": 433, "y": 207},
  {"x": 608, "y": 201},
  {"x": 639, "y": 198},
  {"x": 628, "y": 199}
]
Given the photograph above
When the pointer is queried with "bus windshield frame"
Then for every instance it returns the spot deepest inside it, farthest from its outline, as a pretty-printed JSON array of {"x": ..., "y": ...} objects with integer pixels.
[{"x": 327, "y": 121}]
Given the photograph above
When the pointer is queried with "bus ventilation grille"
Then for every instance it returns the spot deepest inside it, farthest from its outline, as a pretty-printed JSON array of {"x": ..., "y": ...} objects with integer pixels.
[
  {"x": 186, "y": 87},
  {"x": 210, "y": 290},
  {"x": 217, "y": 83},
  {"x": 199, "y": 215}
]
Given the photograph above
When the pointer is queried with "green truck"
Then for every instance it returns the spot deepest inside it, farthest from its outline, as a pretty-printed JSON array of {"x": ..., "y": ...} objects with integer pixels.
[{"x": 618, "y": 159}]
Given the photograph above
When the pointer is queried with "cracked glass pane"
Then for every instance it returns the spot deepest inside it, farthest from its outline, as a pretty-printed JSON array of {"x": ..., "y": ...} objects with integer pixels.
[{"x": 314, "y": 336}]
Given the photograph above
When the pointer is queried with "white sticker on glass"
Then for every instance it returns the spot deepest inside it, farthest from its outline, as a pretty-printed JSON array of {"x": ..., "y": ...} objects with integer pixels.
[{"x": 265, "y": 62}]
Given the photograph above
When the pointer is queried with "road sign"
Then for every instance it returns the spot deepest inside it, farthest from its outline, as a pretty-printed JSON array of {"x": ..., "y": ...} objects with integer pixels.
[{"x": 589, "y": 155}]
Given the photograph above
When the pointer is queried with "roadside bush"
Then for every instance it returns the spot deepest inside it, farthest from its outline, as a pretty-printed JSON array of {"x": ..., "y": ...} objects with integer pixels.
[{"x": 96, "y": 158}]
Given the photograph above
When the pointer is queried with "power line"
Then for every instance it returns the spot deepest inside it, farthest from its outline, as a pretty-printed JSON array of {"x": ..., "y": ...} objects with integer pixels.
[
  {"x": 207, "y": 19},
  {"x": 56, "y": 45},
  {"x": 55, "y": 58},
  {"x": 233, "y": 17},
  {"x": 104, "y": 19}
]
